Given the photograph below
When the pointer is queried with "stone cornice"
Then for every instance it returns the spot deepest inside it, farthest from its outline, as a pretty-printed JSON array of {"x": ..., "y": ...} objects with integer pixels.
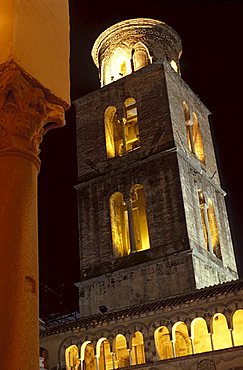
[{"x": 27, "y": 111}]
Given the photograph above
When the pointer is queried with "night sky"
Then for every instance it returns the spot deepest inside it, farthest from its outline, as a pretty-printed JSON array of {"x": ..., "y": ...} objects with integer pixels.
[{"x": 211, "y": 64}]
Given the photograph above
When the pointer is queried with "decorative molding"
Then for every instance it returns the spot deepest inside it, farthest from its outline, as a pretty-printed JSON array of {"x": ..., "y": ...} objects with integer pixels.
[{"x": 26, "y": 111}]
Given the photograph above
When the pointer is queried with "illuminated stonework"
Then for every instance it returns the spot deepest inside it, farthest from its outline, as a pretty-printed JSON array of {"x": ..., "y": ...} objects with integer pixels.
[
  {"x": 133, "y": 44},
  {"x": 26, "y": 111}
]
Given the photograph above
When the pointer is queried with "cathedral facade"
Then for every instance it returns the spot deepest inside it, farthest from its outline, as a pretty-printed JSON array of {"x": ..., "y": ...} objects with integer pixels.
[{"x": 158, "y": 279}]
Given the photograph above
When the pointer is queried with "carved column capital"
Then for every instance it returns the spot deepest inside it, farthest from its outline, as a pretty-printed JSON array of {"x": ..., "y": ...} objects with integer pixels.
[{"x": 27, "y": 111}]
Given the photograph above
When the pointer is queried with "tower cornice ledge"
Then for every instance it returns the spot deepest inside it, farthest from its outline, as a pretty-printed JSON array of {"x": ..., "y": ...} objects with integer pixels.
[{"x": 27, "y": 111}]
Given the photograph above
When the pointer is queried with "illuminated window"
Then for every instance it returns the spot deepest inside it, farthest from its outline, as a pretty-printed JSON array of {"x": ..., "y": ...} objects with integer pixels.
[
  {"x": 174, "y": 65},
  {"x": 88, "y": 356},
  {"x": 181, "y": 339},
  {"x": 121, "y": 135},
  {"x": 200, "y": 336},
  {"x": 129, "y": 225},
  {"x": 213, "y": 230},
  {"x": 220, "y": 332},
  {"x": 119, "y": 65},
  {"x": 113, "y": 133},
  {"x": 130, "y": 126},
  {"x": 194, "y": 136},
  {"x": 238, "y": 328},
  {"x": 139, "y": 218},
  {"x": 140, "y": 56},
  {"x": 138, "y": 356},
  {"x": 163, "y": 343},
  {"x": 72, "y": 358},
  {"x": 209, "y": 223},
  {"x": 121, "y": 351},
  {"x": 119, "y": 225},
  {"x": 104, "y": 354}
]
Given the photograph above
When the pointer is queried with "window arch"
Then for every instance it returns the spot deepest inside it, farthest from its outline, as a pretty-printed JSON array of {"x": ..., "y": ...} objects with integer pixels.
[
  {"x": 87, "y": 356},
  {"x": 119, "y": 225},
  {"x": 113, "y": 133},
  {"x": 163, "y": 343},
  {"x": 214, "y": 230},
  {"x": 181, "y": 339},
  {"x": 238, "y": 327},
  {"x": 140, "y": 56},
  {"x": 130, "y": 125},
  {"x": 220, "y": 333},
  {"x": 72, "y": 358},
  {"x": 209, "y": 223},
  {"x": 119, "y": 64},
  {"x": 138, "y": 355},
  {"x": 139, "y": 217},
  {"x": 104, "y": 355},
  {"x": 121, "y": 351},
  {"x": 200, "y": 336},
  {"x": 194, "y": 136}
]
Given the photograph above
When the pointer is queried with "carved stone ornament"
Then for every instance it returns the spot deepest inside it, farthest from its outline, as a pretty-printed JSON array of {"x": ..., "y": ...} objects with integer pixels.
[
  {"x": 206, "y": 364},
  {"x": 26, "y": 113}
]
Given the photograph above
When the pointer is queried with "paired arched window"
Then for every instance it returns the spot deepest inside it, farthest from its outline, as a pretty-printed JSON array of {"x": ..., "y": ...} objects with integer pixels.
[
  {"x": 138, "y": 355},
  {"x": 72, "y": 358},
  {"x": 129, "y": 225},
  {"x": 121, "y": 135},
  {"x": 194, "y": 136},
  {"x": 209, "y": 224}
]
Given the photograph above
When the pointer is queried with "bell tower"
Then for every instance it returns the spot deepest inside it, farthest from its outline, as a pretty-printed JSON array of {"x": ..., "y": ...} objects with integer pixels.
[{"x": 152, "y": 215}]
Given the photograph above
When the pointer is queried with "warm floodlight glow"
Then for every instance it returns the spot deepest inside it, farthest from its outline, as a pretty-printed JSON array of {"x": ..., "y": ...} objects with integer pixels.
[
  {"x": 122, "y": 357},
  {"x": 138, "y": 356}
]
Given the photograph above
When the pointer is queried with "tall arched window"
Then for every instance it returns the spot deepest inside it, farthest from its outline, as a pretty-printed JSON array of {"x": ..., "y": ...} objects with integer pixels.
[
  {"x": 130, "y": 125},
  {"x": 121, "y": 351},
  {"x": 72, "y": 358},
  {"x": 220, "y": 332},
  {"x": 138, "y": 356},
  {"x": 238, "y": 328},
  {"x": 104, "y": 355},
  {"x": 214, "y": 230},
  {"x": 181, "y": 339},
  {"x": 194, "y": 136},
  {"x": 140, "y": 56},
  {"x": 163, "y": 343},
  {"x": 119, "y": 225},
  {"x": 113, "y": 133},
  {"x": 88, "y": 356},
  {"x": 209, "y": 223},
  {"x": 139, "y": 217},
  {"x": 200, "y": 336},
  {"x": 120, "y": 65}
]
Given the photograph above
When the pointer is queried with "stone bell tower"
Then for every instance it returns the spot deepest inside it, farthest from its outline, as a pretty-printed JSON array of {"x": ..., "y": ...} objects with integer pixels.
[{"x": 152, "y": 216}]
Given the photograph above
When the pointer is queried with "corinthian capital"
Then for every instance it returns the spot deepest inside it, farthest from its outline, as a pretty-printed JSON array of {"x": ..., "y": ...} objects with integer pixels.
[{"x": 27, "y": 111}]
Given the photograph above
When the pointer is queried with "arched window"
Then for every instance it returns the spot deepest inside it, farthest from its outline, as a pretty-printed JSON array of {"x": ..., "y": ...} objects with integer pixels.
[
  {"x": 120, "y": 65},
  {"x": 44, "y": 357},
  {"x": 130, "y": 125},
  {"x": 200, "y": 336},
  {"x": 209, "y": 223},
  {"x": 140, "y": 56},
  {"x": 119, "y": 225},
  {"x": 139, "y": 218},
  {"x": 220, "y": 332},
  {"x": 181, "y": 339},
  {"x": 113, "y": 133},
  {"x": 194, "y": 136},
  {"x": 104, "y": 354},
  {"x": 238, "y": 328},
  {"x": 138, "y": 356},
  {"x": 213, "y": 230},
  {"x": 87, "y": 356},
  {"x": 121, "y": 351},
  {"x": 163, "y": 343},
  {"x": 174, "y": 65},
  {"x": 72, "y": 358}
]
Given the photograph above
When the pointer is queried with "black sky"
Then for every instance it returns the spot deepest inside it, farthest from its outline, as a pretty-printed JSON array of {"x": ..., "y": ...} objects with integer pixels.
[{"x": 211, "y": 64}]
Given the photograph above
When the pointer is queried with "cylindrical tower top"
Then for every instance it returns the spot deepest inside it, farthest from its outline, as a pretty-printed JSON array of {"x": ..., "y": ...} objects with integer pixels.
[{"x": 132, "y": 44}]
